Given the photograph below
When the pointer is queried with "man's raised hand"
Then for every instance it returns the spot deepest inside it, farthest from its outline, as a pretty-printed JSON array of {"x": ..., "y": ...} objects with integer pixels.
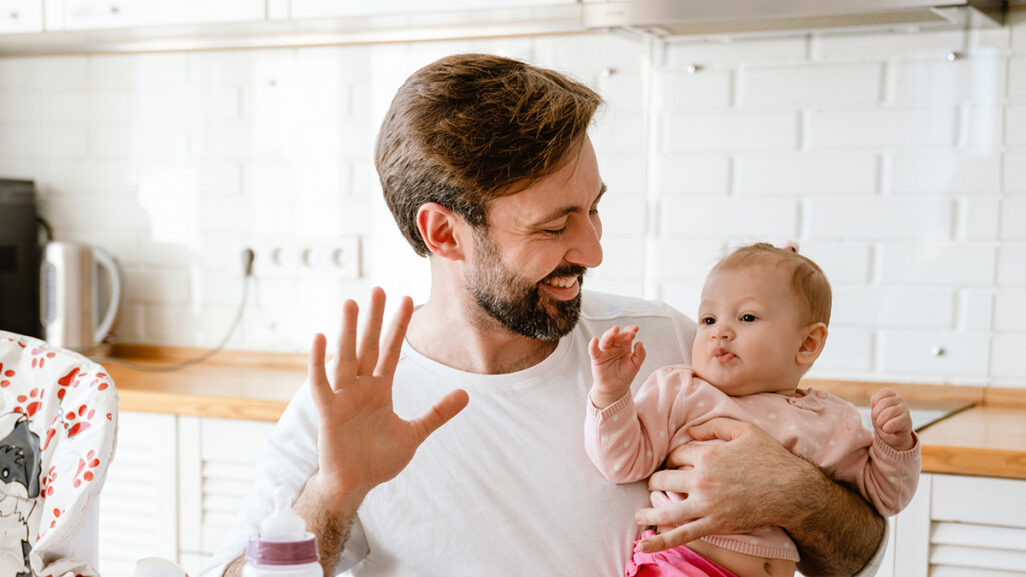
[{"x": 361, "y": 441}]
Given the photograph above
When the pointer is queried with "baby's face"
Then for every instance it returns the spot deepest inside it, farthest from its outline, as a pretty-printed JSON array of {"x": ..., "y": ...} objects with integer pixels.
[{"x": 749, "y": 331}]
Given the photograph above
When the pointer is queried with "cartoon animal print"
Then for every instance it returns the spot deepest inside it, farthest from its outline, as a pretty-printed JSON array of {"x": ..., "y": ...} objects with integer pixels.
[{"x": 19, "y": 487}]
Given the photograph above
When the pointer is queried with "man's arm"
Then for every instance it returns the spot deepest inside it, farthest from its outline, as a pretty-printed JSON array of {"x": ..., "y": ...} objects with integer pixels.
[{"x": 751, "y": 481}]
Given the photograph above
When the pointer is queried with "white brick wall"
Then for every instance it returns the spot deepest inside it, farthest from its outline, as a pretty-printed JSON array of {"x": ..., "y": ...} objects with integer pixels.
[
  {"x": 807, "y": 174},
  {"x": 882, "y": 128},
  {"x": 880, "y": 218},
  {"x": 810, "y": 86},
  {"x": 902, "y": 173}
]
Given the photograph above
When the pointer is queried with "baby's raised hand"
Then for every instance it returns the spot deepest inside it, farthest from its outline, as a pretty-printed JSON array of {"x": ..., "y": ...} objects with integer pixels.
[
  {"x": 615, "y": 361},
  {"x": 891, "y": 419}
]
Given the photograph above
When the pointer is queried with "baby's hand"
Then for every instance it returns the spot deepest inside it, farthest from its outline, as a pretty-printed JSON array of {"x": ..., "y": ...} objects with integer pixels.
[
  {"x": 891, "y": 419},
  {"x": 614, "y": 364}
]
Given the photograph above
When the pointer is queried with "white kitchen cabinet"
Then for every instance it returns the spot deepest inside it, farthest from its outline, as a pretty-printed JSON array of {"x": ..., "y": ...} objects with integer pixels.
[
  {"x": 94, "y": 14},
  {"x": 139, "y": 505},
  {"x": 174, "y": 488},
  {"x": 21, "y": 16},
  {"x": 333, "y": 8},
  {"x": 216, "y": 466},
  {"x": 961, "y": 526}
]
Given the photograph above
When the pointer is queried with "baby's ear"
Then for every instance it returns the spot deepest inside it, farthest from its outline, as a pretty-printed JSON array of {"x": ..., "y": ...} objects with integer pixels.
[{"x": 812, "y": 345}]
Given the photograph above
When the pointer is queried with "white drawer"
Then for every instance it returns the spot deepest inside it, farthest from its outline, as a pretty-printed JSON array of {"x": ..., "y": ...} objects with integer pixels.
[{"x": 980, "y": 500}]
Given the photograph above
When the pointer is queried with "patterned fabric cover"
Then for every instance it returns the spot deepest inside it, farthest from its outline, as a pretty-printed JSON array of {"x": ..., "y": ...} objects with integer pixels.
[{"x": 58, "y": 426}]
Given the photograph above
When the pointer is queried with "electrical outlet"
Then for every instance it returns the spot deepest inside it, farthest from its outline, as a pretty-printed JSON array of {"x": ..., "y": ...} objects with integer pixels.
[{"x": 344, "y": 257}]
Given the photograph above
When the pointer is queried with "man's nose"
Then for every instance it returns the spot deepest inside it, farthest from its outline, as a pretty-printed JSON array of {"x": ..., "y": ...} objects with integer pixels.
[{"x": 586, "y": 248}]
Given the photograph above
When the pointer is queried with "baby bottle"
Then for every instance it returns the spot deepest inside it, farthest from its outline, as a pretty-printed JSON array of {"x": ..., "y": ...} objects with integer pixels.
[{"x": 283, "y": 548}]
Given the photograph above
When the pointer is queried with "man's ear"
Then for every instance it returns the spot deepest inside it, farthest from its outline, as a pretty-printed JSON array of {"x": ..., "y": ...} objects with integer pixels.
[
  {"x": 812, "y": 344},
  {"x": 442, "y": 230}
]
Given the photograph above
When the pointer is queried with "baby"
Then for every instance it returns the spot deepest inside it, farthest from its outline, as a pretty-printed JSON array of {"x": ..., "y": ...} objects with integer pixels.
[{"x": 762, "y": 322}]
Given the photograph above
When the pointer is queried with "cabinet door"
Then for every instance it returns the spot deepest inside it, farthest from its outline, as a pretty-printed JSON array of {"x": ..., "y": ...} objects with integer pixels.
[
  {"x": 978, "y": 526},
  {"x": 333, "y": 8},
  {"x": 138, "y": 506},
  {"x": 217, "y": 461},
  {"x": 21, "y": 16},
  {"x": 89, "y": 14}
]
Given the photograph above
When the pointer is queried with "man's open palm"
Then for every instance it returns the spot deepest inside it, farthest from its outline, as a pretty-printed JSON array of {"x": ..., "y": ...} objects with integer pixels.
[{"x": 361, "y": 441}]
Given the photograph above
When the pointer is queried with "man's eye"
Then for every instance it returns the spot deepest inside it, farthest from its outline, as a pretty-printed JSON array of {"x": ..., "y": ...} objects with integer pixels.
[
  {"x": 747, "y": 318},
  {"x": 555, "y": 231}
]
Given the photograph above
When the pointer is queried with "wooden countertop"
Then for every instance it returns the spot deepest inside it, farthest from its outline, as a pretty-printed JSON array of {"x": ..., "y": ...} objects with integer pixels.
[
  {"x": 987, "y": 439},
  {"x": 231, "y": 384}
]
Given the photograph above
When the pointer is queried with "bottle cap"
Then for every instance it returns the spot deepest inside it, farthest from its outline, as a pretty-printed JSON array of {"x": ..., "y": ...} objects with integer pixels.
[
  {"x": 282, "y": 552},
  {"x": 283, "y": 538}
]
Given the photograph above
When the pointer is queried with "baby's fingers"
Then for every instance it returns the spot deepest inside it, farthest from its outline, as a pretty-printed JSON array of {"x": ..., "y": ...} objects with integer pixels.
[{"x": 608, "y": 337}]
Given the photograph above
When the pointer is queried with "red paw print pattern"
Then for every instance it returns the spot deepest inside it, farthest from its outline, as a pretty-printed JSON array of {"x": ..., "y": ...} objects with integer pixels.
[
  {"x": 78, "y": 421},
  {"x": 46, "y": 485},
  {"x": 29, "y": 403},
  {"x": 56, "y": 515},
  {"x": 66, "y": 381},
  {"x": 39, "y": 357},
  {"x": 5, "y": 376},
  {"x": 85, "y": 467}
]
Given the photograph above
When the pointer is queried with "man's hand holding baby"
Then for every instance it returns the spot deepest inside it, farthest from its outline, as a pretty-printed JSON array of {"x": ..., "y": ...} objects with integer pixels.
[
  {"x": 892, "y": 421},
  {"x": 614, "y": 364}
]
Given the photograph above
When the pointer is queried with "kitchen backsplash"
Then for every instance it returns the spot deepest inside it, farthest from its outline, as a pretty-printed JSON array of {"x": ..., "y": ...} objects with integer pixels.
[{"x": 896, "y": 159}]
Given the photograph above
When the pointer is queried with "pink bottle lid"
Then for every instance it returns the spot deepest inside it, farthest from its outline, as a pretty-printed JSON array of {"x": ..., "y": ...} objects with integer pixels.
[{"x": 282, "y": 552}]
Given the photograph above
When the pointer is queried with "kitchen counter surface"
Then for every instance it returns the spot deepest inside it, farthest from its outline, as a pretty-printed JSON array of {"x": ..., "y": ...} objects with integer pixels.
[{"x": 984, "y": 435}]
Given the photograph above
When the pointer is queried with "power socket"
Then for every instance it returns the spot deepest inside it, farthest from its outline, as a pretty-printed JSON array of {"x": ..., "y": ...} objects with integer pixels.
[{"x": 337, "y": 257}]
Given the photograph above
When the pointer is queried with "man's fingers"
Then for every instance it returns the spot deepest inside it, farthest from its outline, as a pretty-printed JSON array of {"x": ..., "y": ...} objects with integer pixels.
[
  {"x": 723, "y": 428},
  {"x": 393, "y": 343},
  {"x": 367, "y": 358},
  {"x": 345, "y": 369},
  {"x": 445, "y": 409},
  {"x": 683, "y": 456},
  {"x": 320, "y": 388},
  {"x": 677, "y": 536}
]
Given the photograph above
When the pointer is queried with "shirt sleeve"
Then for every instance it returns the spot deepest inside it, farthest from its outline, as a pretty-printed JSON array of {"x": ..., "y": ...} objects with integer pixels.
[
  {"x": 628, "y": 440},
  {"x": 289, "y": 458},
  {"x": 885, "y": 476}
]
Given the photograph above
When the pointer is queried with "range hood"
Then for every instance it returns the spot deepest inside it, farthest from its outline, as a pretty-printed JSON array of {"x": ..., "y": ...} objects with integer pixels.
[{"x": 667, "y": 18}]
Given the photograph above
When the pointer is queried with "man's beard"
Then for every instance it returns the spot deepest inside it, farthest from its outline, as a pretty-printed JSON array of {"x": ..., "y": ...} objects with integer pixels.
[{"x": 517, "y": 304}]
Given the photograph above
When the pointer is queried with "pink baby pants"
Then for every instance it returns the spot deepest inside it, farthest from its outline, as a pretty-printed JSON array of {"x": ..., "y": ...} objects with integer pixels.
[{"x": 677, "y": 562}]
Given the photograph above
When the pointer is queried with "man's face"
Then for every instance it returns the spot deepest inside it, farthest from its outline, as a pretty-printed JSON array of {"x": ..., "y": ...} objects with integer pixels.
[{"x": 530, "y": 260}]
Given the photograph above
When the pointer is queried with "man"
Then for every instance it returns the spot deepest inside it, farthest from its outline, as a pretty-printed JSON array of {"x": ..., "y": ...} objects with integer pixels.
[{"x": 486, "y": 164}]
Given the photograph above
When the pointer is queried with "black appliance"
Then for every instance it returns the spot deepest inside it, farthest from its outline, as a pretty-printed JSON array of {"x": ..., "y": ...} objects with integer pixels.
[{"x": 19, "y": 258}]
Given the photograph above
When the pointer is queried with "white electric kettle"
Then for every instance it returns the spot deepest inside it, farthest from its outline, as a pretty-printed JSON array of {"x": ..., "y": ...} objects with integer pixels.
[{"x": 71, "y": 291}]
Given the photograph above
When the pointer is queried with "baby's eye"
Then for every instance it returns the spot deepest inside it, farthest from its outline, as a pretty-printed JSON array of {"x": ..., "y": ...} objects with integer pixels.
[
  {"x": 708, "y": 321},
  {"x": 747, "y": 318}
]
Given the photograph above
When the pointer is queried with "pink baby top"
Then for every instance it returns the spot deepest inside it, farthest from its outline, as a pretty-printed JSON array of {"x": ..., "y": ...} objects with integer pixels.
[{"x": 630, "y": 439}]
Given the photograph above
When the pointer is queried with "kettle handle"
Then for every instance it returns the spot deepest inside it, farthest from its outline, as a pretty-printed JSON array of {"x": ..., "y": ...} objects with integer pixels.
[{"x": 105, "y": 260}]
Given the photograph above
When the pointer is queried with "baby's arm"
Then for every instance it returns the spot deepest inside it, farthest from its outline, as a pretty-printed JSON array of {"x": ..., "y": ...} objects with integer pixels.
[
  {"x": 628, "y": 440},
  {"x": 614, "y": 364},
  {"x": 885, "y": 466}
]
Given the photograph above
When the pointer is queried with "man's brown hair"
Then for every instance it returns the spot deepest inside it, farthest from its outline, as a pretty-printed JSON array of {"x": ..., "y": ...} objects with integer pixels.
[
  {"x": 472, "y": 127},
  {"x": 808, "y": 282}
]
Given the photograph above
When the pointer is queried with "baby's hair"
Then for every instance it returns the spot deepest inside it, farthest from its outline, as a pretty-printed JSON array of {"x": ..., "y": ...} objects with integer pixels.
[{"x": 808, "y": 282}]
